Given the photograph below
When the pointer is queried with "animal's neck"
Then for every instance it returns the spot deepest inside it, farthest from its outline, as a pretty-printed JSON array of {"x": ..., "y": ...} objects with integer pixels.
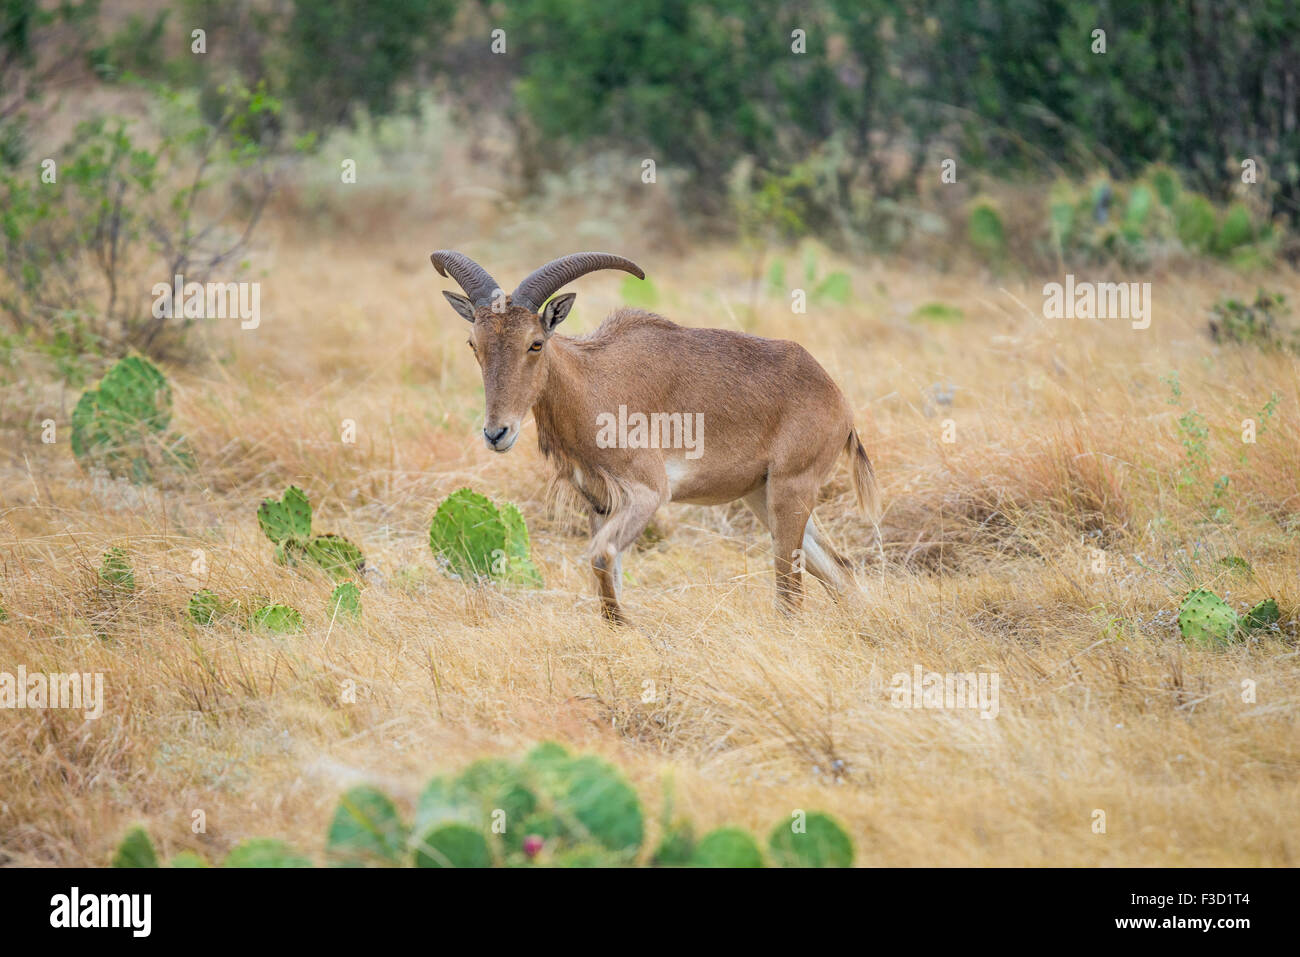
[{"x": 561, "y": 408}]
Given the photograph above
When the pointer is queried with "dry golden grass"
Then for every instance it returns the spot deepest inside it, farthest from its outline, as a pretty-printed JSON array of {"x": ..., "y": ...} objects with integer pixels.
[{"x": 1064, "y": 443}]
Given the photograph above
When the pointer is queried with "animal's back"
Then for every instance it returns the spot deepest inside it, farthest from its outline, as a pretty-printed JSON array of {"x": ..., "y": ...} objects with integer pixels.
[{"x": 732, "y": 376}]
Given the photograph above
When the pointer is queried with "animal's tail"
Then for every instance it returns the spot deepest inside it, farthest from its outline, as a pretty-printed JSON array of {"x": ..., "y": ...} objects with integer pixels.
[{"x": 864, "y": 477}]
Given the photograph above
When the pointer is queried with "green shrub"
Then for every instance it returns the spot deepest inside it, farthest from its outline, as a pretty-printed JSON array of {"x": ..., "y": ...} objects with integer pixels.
[
  {"x": 79, "y": 256},
  {"x": 1259, "y": 323},
  {"x": 986, "y": 234}
]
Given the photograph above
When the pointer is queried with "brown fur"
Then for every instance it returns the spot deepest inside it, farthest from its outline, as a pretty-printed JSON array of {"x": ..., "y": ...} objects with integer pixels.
[{"x": 774, "y": 425}]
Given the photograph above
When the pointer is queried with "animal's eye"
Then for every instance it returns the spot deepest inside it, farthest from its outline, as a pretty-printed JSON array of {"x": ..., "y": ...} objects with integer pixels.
[
  {"x": 470, "y": 343},
  {"x": 536, "y": 346}
]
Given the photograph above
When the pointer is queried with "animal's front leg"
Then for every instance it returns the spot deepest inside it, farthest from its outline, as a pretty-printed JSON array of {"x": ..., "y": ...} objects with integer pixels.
[{"x": 612, "y": 533}]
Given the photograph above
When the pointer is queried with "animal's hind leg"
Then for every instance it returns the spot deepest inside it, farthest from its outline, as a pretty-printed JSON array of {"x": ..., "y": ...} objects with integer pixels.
[
  {"x": 827, "y": 565},
  {"x": 789, "y": 506}
]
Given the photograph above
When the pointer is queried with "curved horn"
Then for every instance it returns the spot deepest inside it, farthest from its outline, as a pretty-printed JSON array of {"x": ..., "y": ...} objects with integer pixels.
[
  {"x": 472, "y": 277},
  {"x": 543, "y": 282}
]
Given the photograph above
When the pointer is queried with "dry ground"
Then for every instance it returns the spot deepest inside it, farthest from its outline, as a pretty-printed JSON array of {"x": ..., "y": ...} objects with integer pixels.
[{"x": 1066, "y": 448}]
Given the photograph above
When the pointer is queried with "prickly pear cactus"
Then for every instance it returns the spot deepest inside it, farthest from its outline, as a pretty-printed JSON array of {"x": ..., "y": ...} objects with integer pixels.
[
  {"x": 366, "y": 829},
  {"x": 121, "y": 425},
  {"x": 205, "y": 608},
  {"x": 453, "y": 845},
  {"x": 1206, "y": 618},
  {"x": 1262, "y": 615},
  {"x": 547, "y": 810},
  {"x": 188, "y": 859},
  {"x": 264, "y": 852},
  {"x": 136, "y": 850},
  {"x": 115, "y": 571},
  {"x": 478, "y": 540},
  {"x": 519, "y": 565},
  {"x": 598, "y": 802},
  {"x": 813, "y": 841},
  {"x": 345, "y": 601},
  {"x": 287, "y": 520},
  {"x": 676, "y": 846},
  {"x": 335, "y": 554},
  {"x": 277, "y": 619},
  {"x": 727, "y": 847}
]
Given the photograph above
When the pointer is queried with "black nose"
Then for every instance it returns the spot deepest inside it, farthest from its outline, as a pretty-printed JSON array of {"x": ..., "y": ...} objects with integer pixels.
[{"x": 495, "y": 436}]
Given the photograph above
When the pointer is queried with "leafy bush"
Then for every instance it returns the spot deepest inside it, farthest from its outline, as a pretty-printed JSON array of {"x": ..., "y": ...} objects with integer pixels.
[
  {"x": 477, "y": 540},
  {"x": 1258, "y": 323},
  {"x": 548, "y": 809},
  {"x": 1135, "y": 223},
  {"x": 121, "y": 426},
  {"x": 78, "y": 254}
]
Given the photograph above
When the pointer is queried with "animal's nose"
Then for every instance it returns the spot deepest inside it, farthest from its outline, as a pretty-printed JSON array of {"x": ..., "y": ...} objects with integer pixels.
[{"x": 495, "y": 435}]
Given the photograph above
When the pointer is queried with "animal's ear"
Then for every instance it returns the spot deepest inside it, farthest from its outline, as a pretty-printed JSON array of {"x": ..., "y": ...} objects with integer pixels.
[
  {"x": 553, "y": 312},
  {"x": 460, "y": 304}
]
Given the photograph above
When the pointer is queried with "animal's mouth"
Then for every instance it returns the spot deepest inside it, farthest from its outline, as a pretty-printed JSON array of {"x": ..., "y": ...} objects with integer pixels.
[{"x": 502, "y": 443}]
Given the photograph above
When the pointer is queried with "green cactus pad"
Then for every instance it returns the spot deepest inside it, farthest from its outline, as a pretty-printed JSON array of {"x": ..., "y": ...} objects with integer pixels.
[
  {"x": 366, "y": 829},
  {"x": 345, "y": 601},
  {"x": 115, "y": 571},
  {"x": 601, "y": 803},
  {"x": 264, "y": 852},
  {"x": 287, "y": 520},
  {"x": 820, "y": 843},
  {"x": 519, "y": 566},
  {"x": 440, "y": 803},
  {"x": 188, "y": 859},
  {"x": 121, "y": 425},
  {"x": 1262, "y": 615},
  {"x": 278, "y": 619},
  {"x": 136, "y": 850},
  {"x": 335, "y": 554},
  {"x": 676, "y": 846},
  {"x": 1236, "y": 564},
  {"x": 466, "y": 530},
  {"x": 477, "y": 540},
  {"x": 585, "y": 855},
  {"x": 205, "y": 608},
  {"x": 727, "y": 847},
  {"x": 1206, "y": 618},
  {"x": 453, "y": 845}
]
